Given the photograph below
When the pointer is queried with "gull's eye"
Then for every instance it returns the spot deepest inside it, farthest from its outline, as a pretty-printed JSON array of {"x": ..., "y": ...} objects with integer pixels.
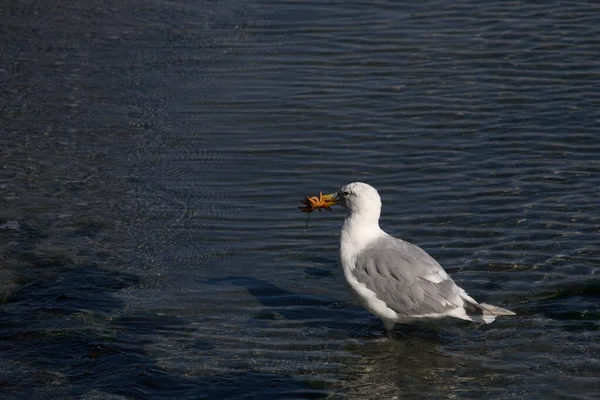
[{"x": 346, "y": 193}]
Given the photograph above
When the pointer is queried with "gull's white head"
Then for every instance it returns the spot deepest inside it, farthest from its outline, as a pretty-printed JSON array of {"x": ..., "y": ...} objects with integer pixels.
[{"x": 360, "y": 199}]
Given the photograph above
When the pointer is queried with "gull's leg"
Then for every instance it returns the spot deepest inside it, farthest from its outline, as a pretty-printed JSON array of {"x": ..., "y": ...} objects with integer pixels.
[{"x": 389, "y": 326}]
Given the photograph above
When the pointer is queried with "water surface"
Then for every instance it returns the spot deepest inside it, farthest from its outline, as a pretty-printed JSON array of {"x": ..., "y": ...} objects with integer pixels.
[{"x": 153, "y": 155}]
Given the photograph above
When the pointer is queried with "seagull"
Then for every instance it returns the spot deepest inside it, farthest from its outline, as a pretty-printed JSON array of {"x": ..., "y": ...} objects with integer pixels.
[{"x": 394, "y": 279}]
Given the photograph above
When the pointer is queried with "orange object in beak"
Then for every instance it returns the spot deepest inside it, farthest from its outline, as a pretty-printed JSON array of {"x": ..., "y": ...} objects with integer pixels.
[{"x": 317, "y": 203}]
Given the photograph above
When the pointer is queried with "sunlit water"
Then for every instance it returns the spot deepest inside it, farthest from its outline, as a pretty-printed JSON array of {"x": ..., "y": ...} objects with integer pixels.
[{"x": 153, "y": 155}]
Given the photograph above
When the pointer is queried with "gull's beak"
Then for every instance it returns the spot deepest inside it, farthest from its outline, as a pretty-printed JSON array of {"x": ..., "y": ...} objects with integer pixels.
[{"x": 330, "y": 199}]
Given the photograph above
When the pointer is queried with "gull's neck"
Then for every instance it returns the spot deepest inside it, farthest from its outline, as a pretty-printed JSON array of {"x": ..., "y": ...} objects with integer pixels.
[{"x": 358, "y": 232}]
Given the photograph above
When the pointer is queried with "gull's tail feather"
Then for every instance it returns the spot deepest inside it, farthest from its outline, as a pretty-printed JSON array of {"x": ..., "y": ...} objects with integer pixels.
[
  {"x": 482, "y": 312},
  {"x": 498, "y": 311}
]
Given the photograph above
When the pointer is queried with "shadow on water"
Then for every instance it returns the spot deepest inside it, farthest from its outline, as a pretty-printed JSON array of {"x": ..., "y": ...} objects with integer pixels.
[
  {"x": 309, "y": 310},
  {"x": 271, "y": 295}
]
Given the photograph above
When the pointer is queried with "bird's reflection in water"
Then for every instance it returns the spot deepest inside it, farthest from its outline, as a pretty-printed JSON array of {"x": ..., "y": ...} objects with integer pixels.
[{"x": 409, "y": 363}]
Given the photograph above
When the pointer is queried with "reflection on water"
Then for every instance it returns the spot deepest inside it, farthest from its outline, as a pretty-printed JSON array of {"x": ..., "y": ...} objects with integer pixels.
[
  {"x": 152, "y": 156},
  {"x": 403, "y": 367}
]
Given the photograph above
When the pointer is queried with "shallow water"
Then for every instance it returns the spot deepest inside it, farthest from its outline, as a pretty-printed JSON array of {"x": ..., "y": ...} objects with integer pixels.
[{"x": 153, "y": 155}]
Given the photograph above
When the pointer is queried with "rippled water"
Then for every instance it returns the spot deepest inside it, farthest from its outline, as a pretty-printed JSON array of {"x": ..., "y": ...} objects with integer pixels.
[{"x": 153, "y": 155}]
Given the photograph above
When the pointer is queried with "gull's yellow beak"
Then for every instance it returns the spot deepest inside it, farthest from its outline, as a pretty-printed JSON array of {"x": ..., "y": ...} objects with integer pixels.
[
  {"x": 318, "y": 202},
  {"x": 330, "y": 199}
]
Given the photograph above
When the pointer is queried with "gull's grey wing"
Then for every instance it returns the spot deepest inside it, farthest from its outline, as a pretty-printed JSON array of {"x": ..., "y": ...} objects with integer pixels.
[{"x": 406, "y": 278}]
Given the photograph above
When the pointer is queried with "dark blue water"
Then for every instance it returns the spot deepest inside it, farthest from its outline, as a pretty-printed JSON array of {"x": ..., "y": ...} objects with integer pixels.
[{"x": 152, "y": 155}]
